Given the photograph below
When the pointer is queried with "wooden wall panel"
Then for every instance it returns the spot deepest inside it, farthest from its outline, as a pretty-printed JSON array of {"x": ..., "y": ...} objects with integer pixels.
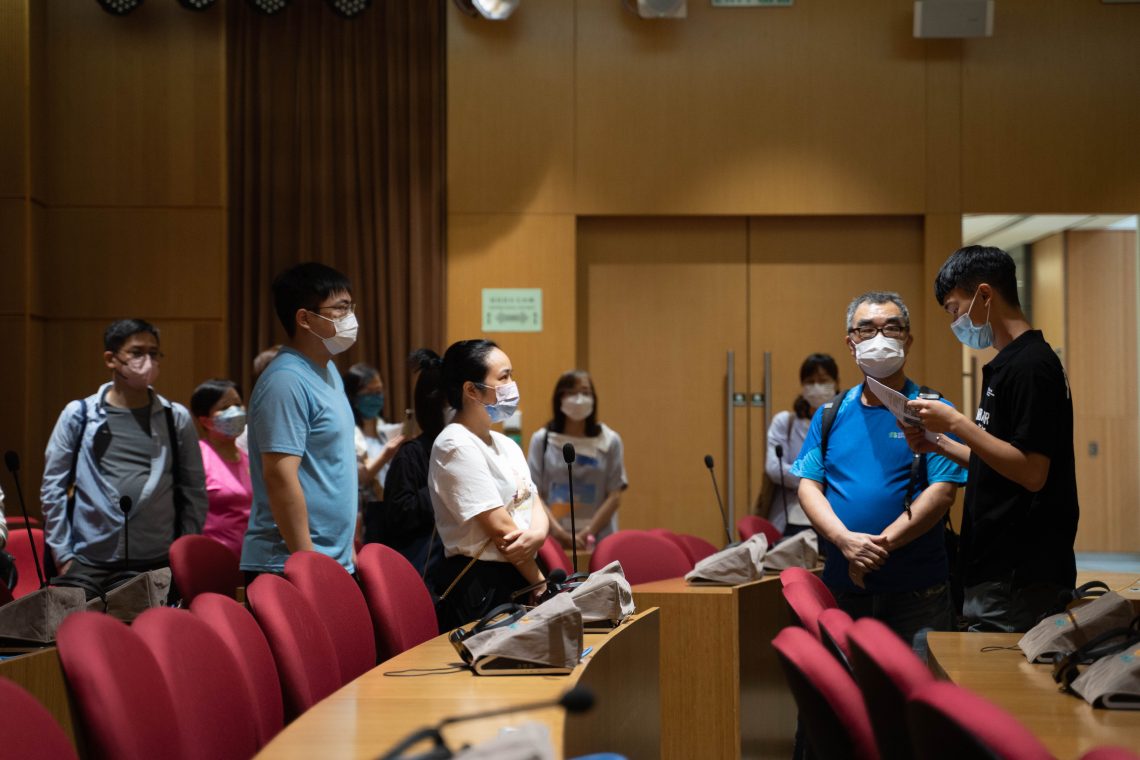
[
  {"x": 114, "y": 262},
  {"x": 516, "y": 251},
  {"x": 1102, "y": 329},
  {"x": 1047, "y": 291},
  {"x": 13, "y": 255},
  {"x": 814, "y": 109},
  {"x": 135, "y": 106},
  {"x": 510, "y": 110},
  {"x": 13, "y": 98},
  {"x": 12, "y": 400},
  {"x": 1049, "y": 109}
]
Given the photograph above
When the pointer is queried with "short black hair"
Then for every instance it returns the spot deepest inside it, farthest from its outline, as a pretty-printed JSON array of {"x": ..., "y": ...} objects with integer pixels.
[
  {"x": 464, "y": 361},
  {"x": 204, "y": 397},
  {"x": 430, "y": 398},
  {"x": 118, "y": 332},
  {"x": 813, "y": 362},
  {"x": 357, "y": 376},
  {"x": 969, "y": 267},
  {"x": 304, "y": 286}
]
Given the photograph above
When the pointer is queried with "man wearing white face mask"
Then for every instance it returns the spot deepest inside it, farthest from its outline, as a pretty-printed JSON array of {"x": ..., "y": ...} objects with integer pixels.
[
  {"x": 301, "y": 450},
  {"x": 123, "y": 441},
  {"x": 1020, "y": 516},
  {"x": 878, "y": 510}
]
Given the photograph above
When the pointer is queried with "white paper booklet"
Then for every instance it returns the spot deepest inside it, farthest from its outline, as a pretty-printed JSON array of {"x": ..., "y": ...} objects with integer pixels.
[{"x": 896, "y": 402}]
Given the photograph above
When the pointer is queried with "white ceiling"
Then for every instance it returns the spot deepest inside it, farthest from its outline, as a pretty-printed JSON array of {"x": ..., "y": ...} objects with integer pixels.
[{"x": 1011, "y": 230}]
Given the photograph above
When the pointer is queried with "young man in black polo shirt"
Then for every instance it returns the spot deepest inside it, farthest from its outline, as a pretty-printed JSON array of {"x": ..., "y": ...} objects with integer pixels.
[{"x": 1020, "y": 516}]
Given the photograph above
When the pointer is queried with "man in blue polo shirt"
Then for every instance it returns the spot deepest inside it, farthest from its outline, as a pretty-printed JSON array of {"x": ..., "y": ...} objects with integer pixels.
[{"x": 883, "y": 536}]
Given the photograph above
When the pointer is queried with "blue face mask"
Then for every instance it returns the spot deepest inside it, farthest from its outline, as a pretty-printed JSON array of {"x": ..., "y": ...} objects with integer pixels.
[
  {"x": 230, "y": 421},
  {"x": 971, "y": 335},
  {"x": 370, "y": 405},
  {"x": 506, "y": 401}
]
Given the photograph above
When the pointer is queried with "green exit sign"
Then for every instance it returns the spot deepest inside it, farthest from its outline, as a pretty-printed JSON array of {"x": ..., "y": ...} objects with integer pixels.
[{"x": 752, "y": 3}]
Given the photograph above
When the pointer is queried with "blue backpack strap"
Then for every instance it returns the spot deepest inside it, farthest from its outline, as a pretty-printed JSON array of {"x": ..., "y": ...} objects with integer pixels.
[{"x": 75, "y": 459}]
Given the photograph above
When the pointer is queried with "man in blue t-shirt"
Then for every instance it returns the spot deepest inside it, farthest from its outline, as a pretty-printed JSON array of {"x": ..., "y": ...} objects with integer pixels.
[
  {"x": 885, "y": 555},
  {"x": 301, "y": 449}
]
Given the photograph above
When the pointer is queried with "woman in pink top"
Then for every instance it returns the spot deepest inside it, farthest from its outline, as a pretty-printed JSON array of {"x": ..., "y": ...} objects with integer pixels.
[{"x": 218, "y": 411}]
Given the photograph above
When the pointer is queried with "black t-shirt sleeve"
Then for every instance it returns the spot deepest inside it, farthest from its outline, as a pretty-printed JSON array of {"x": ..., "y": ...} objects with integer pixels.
[
  {"x": 407, "y": 501},
  {"x": 1035, "y": 394}
]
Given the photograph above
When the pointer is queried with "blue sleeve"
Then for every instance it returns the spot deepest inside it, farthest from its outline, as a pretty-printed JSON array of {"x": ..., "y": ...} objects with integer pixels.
[
  {"x": 809, "y": 464},
  {"x": 281, "y": 414},
  {"x": 940, "y": 469}
]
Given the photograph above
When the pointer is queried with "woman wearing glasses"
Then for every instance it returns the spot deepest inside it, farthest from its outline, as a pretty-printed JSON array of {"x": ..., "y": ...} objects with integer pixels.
[{"x": 487, "y": 509}]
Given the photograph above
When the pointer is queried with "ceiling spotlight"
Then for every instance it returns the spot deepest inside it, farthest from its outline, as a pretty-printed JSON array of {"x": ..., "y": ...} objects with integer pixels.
[
  {"x": 269, "y": 7},
  {"x": 119, "y": 7},
  {"x": 196, "y": 5},
  {"x": 658, "y": 8},
  {"x": 495, "y": 10},
  {"x": 349, "y": 8}
]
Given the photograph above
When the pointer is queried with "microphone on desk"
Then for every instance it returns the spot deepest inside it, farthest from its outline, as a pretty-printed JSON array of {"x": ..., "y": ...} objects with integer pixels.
[
  {"x": 12, "y": 462},
  {"x": 569, "y": 455},
  {"x": 719, "y": 503},
  {"x": 783, "y": 489},
  {"x": 577, "y": 700}
]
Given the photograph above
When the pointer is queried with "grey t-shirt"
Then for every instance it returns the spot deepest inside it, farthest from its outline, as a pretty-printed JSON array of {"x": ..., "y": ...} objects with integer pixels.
[
  {"x": 125, "y": 458},
  {"x": 599, "y": 470}
]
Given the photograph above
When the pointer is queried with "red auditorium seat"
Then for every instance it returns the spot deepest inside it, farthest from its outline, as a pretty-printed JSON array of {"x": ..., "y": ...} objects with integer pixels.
[
  {"x": 674, "y": 539},
  {"x": 553, "y": 556},
  {"x": 643, "y": 557},
  {"x": 696, "y": 548},
  {"x": 27, "y": 729},
  {"x": 340, "y": 604},
  {"x": 805, "y": 605},
  {"x": 831, "y": 709},
  {"x": 124, "y": 704},
  {"x": 398, "y": 601},
  {"x": 211, "y": 696},
  {"x": 793, "y": 574},
  {"x": 834, "y": 626},
  {"x": 948, "y": 722},
  {"x": 888, "y": 672},
  {"x": 237, "y": 628},
  {"x": 200, "y": 564},
  {"x": 302, "y": 648},
  {"x": 749, "y": 525}
]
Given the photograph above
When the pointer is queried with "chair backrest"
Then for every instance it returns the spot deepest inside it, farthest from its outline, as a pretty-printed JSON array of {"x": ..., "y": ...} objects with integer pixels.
[
  {"x": 805, "y": 605},
  {"x": 948, "y": 722},
  {"x": 27, "y": 729},
  {"x": 22, "y": 551},
  {"x": 674, "y": 539},
  {"x": 402, "y": 611},
  {"x": 302, "y": 648},
  {"x": 237, "y": 628},
  {"x": 834, "y": 626},
  {"x": 834, "y": 717},
  {"x": 643, "y": 557},
  {"x": 200, "y": 564},
  {"x": 696, "y": 547},
  {"x": 749, "y": 525},
  {"x": 553, "y": 556},
  {"x": 888, "y": 672},
  {"x": 213, "y": 700},
  {"x": 124, "y": 704},
  {"x": 340, "y": 604},
  {"x": 822, "y": 592}
]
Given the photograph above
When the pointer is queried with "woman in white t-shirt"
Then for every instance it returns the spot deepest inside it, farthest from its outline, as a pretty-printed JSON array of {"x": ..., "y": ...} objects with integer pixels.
[
  {"x": 487, "y": 509},
  {"x": 819, "y": 377}
]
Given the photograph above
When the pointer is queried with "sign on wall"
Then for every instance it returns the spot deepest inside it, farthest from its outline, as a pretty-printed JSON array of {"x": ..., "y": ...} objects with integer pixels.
[
  {"x": 512, "y": 309},
  {"x": 751, "y": 3}
]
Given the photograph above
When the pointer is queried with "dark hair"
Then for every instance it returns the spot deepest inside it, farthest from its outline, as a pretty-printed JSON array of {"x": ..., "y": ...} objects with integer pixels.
[
  {"x": 357, "y": 376},
  {"x": 814, "y": 361},
  {"x": 261, "y": 361},
  {"x": 118, "y": 332},
  {"x": 304, "y": 287},
  {"x": 464, "y": 361},
  {"x": 204, "y": 397},
  {"x": 969, "y": 267},
  {"x": 429, "y": 394},
  {"x": 565, "y": 383}
]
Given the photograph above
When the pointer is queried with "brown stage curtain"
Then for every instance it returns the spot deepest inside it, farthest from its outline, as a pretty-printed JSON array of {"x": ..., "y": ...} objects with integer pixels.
[{"x": 336, "y": 154}]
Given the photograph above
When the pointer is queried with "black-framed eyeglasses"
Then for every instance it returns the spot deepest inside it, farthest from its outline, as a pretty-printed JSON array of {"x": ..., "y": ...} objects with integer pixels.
[
  {"x": 135, "y": 357},
  {"x": 889, "y": 330},
  {"x": 339, "y": 310}
]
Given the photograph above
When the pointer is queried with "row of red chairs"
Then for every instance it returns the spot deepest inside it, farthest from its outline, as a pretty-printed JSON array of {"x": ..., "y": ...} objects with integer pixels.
[
  {"x": 645, "y": 556},
  {"x": 864, "y": 694}
]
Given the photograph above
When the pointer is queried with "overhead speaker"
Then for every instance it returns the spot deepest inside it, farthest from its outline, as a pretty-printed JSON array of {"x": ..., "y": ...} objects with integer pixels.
[
  {"x": 953, "y": 19},
  {"x": 658, "y": 8}
]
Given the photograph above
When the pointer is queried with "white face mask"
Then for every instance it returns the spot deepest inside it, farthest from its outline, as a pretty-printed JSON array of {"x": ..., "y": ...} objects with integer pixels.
[
  {"x": 506, "y": 401},
  {"x": 345, "y": 335},
  {"x": 578, "y": 406},
  {"x": 880, "y": 356},
  {"x": 818, "y": 394}
]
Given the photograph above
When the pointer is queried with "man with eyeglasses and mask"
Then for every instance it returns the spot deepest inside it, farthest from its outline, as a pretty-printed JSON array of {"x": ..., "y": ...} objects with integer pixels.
[
  {"x": 301, "y": 430},
  {"x": 878, "y": 510},
  {"x": 124, "y": 441}
]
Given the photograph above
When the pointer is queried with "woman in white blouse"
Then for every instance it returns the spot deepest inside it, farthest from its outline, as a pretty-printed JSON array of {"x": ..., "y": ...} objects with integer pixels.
[
  {"x": 819, "y": 376},
  {"x": 487, "y": 509}
]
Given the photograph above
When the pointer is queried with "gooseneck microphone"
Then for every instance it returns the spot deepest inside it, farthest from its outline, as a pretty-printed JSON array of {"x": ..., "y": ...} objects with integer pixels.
[
  {"x": 12, "y": 462},
  {"x": 577, "y": 700},
  {"x": 719, "y": 503},
  {"x": 569, "y": 455},
  {"x": 783, "y": 489}
]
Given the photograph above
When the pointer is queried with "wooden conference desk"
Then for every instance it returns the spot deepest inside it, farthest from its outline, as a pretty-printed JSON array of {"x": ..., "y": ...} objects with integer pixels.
[
  {"x": 367, "y": 717},
  {"x": 723, "y": 693},
  {"x": 1065, "y": 723}
]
